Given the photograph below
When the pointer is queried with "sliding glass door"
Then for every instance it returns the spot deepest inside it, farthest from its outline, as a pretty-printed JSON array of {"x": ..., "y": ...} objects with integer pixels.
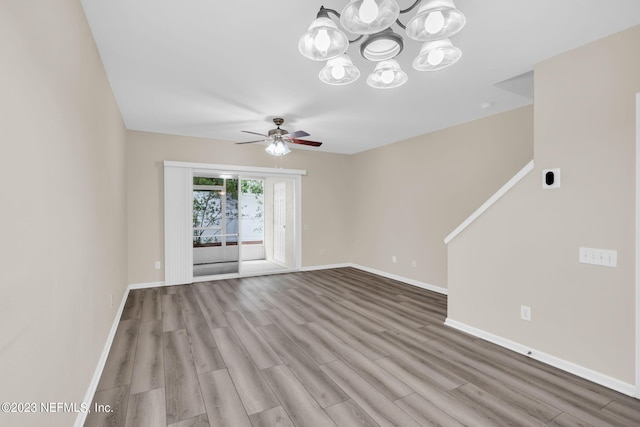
[
  {"x": 215, "y": 225},
  {"x": 235, "y": 230},
  {"x": 229, "y": 221}
]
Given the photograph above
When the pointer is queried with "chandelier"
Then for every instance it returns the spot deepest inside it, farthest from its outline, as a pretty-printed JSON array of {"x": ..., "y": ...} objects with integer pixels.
[{"x": 433, "y": 24}]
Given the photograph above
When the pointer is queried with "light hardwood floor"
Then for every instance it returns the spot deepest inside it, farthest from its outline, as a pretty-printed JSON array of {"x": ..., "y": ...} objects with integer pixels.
[{"x": 331, "y": 347}]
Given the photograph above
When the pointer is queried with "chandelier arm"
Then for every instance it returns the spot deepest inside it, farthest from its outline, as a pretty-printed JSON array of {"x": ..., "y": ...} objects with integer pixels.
[
  {"x": 410, "y": 8},
  {"x": 324, "y": 12}
]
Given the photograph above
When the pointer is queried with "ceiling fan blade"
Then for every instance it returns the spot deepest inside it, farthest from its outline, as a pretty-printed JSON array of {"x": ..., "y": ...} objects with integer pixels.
[
  {"x": 305, "y": 142},
  {"x": 255, "y": 133},
  {"x": 250, "y": 142},
  {"x": 297, "y": 134}
]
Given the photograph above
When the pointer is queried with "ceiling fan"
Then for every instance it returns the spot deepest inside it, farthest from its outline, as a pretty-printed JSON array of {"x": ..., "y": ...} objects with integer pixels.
[{"x": 281, "y": 135}]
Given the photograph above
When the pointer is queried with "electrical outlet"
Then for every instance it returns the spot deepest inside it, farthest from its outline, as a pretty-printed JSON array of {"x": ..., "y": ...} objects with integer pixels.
[
  {"x": 525, "y": 313},
  {"x": 158, "y": 265},
  {"x": 413, "y": 263},
  {"x": 394, "y": 259}
]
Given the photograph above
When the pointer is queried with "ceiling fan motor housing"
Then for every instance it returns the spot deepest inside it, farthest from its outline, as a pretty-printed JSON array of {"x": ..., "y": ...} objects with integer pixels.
[
  {"x": 278, "y": 121},
  {"x": 278, "y": 132}
]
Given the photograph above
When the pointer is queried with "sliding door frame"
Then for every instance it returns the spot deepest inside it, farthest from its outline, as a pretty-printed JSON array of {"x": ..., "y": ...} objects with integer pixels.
[
  {"x": 637, "y": 272},
  {"x": 178, "y": 249}
]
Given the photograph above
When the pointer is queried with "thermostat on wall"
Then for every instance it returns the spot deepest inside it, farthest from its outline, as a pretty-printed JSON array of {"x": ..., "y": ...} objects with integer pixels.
[{"x": 551, "y": 178}]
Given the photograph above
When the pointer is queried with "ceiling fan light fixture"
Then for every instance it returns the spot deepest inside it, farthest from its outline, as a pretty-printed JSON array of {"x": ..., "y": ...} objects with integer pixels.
[
  {"x": 339, "y": 71},
  {"x": 436, "y": 55},
  {"x": 387, "y": 75},
  {"x": 435, "y": 19},
  {"x": 278, "y": 148},
  {"x": 369, "y": 16},
  {"x": 323, "y": 40},
  {"x": 382, "y": 46}
]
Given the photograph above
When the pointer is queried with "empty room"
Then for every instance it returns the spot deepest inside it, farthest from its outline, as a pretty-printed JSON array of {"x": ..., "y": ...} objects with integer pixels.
[{"x": 369, "y": 212}]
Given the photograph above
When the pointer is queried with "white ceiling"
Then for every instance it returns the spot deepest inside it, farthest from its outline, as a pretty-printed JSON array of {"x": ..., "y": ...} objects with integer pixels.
[{"x": 210, "y": 69}]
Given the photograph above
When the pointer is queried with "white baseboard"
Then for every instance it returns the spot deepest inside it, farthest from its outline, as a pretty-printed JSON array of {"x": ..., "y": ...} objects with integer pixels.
[
  {"x": 551, "y": 360},
  {"x": 146, "y": 285},
  {"x": 91, "y": 391},
  {"x": 405, "y": 280},
  {"x": 411, "y": 282},
  {"x": 325, "y": 267}
]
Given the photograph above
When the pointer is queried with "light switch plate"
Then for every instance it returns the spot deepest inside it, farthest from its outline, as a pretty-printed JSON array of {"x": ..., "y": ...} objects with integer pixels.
[{"x": 605, "y": 257}]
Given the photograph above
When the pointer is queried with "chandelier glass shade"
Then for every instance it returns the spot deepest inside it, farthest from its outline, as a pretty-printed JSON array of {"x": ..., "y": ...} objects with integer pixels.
[
  {"x": 436, "y": 55},
  {"x": 339, "y": 71},
  {"x": 371, "y": 20},
  {"x": 369, "y": 16},
  {"x": 323, "y": 40},
  {"x": 435, "y": 20},
  {"x": 387, "y": 75}
]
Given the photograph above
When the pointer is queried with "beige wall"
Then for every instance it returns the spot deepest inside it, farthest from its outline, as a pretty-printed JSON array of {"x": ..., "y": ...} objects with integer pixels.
[
  {"x": 63, "y": 245},
  {"x": 401, "y": 199},
  {"x": 524, "y": 250},
  {"x": 410, "y": 195},
  {"x": 326, "y": 201}
]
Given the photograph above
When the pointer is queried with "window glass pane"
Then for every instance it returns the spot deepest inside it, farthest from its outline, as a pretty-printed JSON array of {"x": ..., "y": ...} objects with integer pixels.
[
  {"x": 203, "y": 238},
  {"x": 231, "y": 222},
  {"x": 201, "y": 180},
  {"x": 207, "y": 210},
  {"x": 252, "y": 210},
  {"x": 232, "y": 230},
  {"x": 232, "y": 189}
]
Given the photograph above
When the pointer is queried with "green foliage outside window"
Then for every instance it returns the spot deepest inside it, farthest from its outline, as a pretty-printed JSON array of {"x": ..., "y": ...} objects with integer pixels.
[{"x": 207, "y": 207}]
